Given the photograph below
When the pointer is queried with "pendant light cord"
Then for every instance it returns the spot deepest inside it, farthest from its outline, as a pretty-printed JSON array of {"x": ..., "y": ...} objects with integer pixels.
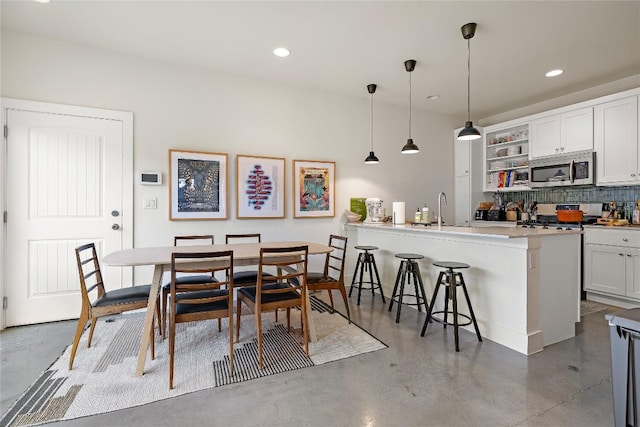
[
  {"x": 409, "y": 104},
  {"x": 469, "y": 79},
  {"x": 371, "y": 109}
]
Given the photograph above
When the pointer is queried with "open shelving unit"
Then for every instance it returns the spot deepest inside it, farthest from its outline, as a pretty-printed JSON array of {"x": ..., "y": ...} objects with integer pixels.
[{"x": 506, "y": 162}]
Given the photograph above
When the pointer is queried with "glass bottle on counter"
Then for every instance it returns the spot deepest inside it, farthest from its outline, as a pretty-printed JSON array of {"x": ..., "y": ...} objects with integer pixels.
[
  {"x": 425, "y": 215},
  {"x": 418, "y": 217}
]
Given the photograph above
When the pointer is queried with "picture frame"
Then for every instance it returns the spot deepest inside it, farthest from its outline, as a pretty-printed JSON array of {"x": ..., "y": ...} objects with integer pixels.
[
  {"x": 197, "y": 185},
  {"x": 314, "y": 188},
  {"x": 260, "y": 187}
]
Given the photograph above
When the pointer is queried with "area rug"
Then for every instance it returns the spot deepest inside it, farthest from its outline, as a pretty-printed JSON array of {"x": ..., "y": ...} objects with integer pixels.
[
  {"x": 102, "y": 379},
  {"x": 590, "y": 307}
]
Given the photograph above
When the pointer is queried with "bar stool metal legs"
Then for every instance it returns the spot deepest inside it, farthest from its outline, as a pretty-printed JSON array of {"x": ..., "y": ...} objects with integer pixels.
[
  {"x": 408, "y": 270},
  {"x": 366, "y": 262},
  {"x": 449, "y": 279}
]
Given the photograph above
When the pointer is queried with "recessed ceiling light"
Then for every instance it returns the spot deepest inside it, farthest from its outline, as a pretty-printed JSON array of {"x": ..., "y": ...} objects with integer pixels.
[
  {"x": 433, "y": 97},
  {"x": 554, "y": 73},
  {"x": 42, "y": 1},
  {"x": 282, "y": 52}
]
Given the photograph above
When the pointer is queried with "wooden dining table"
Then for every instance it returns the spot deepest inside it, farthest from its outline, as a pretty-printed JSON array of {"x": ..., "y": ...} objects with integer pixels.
[{"x": 243, "y": 254}]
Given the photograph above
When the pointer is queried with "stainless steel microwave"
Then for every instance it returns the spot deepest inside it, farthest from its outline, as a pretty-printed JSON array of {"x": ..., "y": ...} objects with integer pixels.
[{"x": 565, "y": 170}]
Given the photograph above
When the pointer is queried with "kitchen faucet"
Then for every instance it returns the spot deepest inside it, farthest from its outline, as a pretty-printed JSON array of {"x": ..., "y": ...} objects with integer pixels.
[{"x": 441, "y": 196}]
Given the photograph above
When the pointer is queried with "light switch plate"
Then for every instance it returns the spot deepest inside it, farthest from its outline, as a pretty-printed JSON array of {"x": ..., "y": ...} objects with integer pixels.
[{"x": 150, "y": 203}]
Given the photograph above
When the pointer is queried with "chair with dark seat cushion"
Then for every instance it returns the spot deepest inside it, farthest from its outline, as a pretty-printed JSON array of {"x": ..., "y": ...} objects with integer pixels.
[
  {"x": 189, "y": 302},
  {"x": 332, "y": 277},
  {"x": 287, "y": 289},
  {"x": 192, "y": 279},
  {"x": 249, "y": 277},
  {"x": 105, "y": 303}
]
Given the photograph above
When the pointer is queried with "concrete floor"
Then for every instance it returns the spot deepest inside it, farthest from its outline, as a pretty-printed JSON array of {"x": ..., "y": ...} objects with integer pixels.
[{"x": 415, "y": 382}]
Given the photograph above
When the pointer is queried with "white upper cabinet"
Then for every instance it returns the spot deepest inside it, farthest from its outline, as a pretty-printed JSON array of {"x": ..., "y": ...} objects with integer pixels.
[
  {"x": 562, "y": 133},
  {"x": 616, "y": 142},
  {"x": 576, "y": 130}
]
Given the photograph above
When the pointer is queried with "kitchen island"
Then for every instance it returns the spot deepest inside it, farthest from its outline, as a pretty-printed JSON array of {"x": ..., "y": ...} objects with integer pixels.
[{"x": 524, "y": 283}]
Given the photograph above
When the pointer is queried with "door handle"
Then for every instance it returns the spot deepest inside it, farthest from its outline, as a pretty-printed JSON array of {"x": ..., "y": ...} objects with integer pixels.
[{"x": 115, "y": 227}]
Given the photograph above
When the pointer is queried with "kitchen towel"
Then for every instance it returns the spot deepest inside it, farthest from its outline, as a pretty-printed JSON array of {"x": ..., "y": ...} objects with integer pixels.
[{"x": 398, "y": 213}]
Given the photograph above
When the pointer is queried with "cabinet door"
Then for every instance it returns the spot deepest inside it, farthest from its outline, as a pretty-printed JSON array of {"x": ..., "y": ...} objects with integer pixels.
[
  {"x": 576, "y": 130},
  {"x": 605, "y": 269},
  {"x": 616, "y": 142},
  {"x": 462, "y": 199},
  {"x": 462, "y": 157},
  {"x": 633, "y": 273},
  {"x": 545, "y": 136}
]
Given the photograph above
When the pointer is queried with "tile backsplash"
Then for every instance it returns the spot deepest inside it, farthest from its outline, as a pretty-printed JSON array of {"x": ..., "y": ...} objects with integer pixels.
[{"x": 627, "y": 195}]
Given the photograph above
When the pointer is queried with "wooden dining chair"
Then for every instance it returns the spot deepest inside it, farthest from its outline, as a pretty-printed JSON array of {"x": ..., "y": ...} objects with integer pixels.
[
  {"x": 97, "y": 302},
  {"x": 195, "y": 302},
  {"x": 287, "y": 289},
  {"x": 332, "y": 277},
  {"x": 194, "y": 279},
  {"x": 248, "y": 277}
]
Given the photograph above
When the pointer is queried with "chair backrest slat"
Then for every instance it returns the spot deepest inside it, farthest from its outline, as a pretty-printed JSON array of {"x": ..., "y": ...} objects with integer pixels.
[
  {"x": 204, "y": 239},
  {"x": 220, "y": 261},
  {"x": 291, "y": 263},
  {"x": 89, "y": 267},
  {"x": 335, "y": 259},
  {"x": 244, "y": 238}
]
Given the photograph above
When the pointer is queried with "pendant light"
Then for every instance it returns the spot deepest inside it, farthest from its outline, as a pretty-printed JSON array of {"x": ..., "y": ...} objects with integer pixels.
[
  {"x": 410, "y": 147},
  {"x": 371, "y": 158},
  {"x": 469, "y": 132}
]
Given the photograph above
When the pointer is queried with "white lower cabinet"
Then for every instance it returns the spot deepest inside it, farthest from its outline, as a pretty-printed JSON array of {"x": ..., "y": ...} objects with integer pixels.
[{"x": 612, "y": 262}]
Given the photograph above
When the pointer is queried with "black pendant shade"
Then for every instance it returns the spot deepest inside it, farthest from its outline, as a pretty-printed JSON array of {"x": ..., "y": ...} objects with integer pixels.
[
  {"x": 410, "y": 147},
  {"x": 469, "y": 132},
  {"x": 371, "y": 158}
]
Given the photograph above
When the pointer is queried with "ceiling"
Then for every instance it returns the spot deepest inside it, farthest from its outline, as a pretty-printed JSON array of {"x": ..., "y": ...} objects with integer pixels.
[{"x": 341, "y": 46}]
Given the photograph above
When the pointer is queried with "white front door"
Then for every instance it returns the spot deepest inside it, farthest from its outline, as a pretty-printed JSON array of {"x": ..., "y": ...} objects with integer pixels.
[{"x": 66, "y": 184}]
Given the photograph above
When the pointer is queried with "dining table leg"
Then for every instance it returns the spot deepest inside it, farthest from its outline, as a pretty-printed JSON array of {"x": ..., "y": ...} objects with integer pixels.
[
  {"x": 148, "y": 320},
  {"x": 313, "y": 337}
]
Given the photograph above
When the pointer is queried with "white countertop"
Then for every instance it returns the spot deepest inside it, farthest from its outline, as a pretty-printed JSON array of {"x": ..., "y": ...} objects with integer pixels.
[
  {"x": 494, "y": 232},
  {"x": 613, "y": 227}
]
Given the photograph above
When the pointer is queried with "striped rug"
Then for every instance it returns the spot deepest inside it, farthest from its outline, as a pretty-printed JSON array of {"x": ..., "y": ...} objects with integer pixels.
[{"x": 103, "y": 380}]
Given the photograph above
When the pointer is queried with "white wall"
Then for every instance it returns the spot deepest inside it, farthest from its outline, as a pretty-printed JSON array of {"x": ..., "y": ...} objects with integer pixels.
[
  {"x": 179, "y": 107},
  {"x": 604, "y": 89}
]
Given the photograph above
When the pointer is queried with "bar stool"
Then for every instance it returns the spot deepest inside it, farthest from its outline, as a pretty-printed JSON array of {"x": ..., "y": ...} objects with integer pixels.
[
  {"x": 366, "y": 261},
  {"x": 408, "y": 269},
  {"x": 449, "y": 279}
]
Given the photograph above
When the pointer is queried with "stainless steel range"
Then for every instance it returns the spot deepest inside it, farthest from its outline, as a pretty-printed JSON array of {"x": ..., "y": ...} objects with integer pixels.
[{"x": 547, "y": 216}]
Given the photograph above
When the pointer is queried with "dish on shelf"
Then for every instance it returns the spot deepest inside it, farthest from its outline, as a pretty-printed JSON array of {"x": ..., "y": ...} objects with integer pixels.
[
  {"x": 502, "y": 152},
  {"x": 513, "y": 150},
  {"x": 498, "y": 165}
]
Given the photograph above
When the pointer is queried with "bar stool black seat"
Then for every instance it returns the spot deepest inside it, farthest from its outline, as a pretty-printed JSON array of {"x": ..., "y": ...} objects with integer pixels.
[
  {"x": 409, "y": 269},
  {"x": 449, "y": 279},
  {"x": 366, "y": 262}
]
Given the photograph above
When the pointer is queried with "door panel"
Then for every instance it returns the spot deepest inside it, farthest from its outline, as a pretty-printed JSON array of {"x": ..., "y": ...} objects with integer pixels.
[{"x": 64, "y": 177}]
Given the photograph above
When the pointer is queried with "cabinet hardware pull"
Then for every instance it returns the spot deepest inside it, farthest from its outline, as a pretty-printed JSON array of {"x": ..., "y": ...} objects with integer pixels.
[
  {"x": 625, "y": 239},
  {"x": 621, "y": 254}
]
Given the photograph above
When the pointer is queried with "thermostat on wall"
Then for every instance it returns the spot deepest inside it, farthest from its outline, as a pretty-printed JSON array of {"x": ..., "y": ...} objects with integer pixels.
[{"x": 150, "y": 178}]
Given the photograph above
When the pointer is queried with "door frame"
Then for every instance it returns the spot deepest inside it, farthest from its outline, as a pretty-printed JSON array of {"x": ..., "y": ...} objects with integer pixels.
[{"x": 70, "y": 110}]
